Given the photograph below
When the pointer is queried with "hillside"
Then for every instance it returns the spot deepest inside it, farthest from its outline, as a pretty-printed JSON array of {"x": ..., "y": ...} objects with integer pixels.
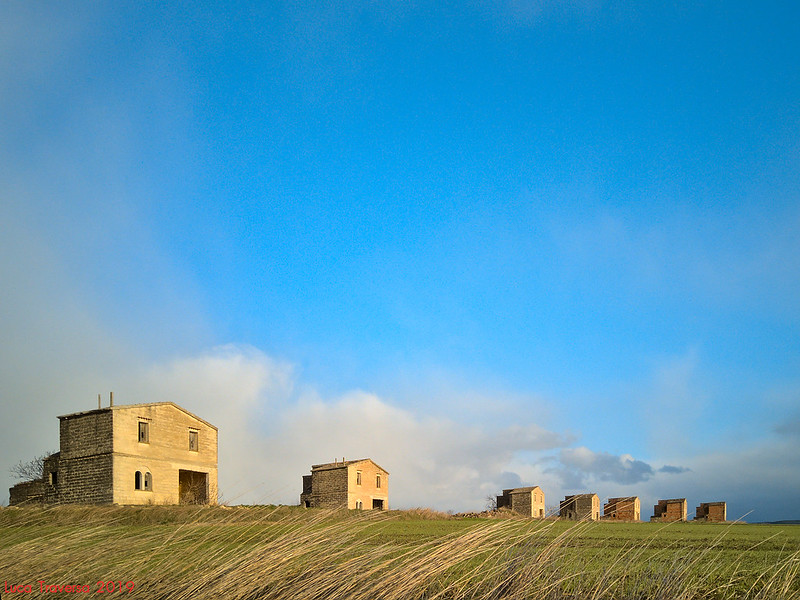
[{"x": 251, "y": 553}]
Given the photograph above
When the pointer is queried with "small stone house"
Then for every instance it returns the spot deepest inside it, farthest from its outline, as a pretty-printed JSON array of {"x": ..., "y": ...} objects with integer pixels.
[
  {"x": 155, "y": 453},
  {"x": 667, "y": 511},
  {"x": 622, "y": 509},
  {"x": 354, "y": 484},
  {"x": 713, "y": 512},
  {"x": 580, "y": 507},
  {"x": 527, "y": 501}
]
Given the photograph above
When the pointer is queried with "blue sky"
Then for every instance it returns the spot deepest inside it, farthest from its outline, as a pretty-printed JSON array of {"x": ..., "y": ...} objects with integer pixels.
[{"x": 485, "y": 243}]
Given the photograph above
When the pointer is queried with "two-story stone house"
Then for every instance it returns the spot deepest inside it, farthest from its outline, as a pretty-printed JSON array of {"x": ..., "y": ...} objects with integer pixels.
[
  {"x": 154, "y": 453},
  {"x": 355, "y": 484}
]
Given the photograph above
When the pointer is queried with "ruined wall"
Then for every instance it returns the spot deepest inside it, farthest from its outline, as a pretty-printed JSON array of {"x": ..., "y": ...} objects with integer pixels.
[
  {"x": 27, "y": 492},
  {"x": 41, "y": 490}
]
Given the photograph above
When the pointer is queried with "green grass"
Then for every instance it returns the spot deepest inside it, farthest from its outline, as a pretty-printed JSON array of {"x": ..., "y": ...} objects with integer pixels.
[{"x": 251, "y": 553}]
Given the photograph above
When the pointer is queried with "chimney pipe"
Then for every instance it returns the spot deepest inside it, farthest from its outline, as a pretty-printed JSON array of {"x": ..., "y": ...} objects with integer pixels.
[
  {"x": 98, "y": 401},
  {"x": 111, "y": 398}
]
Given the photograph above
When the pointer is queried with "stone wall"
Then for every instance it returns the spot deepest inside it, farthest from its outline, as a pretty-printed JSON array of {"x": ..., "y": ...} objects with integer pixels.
[
  {"x": 85, "y": 480},
  {"x": 366, "y": 493},
  {"x": 670, "y": 510},
  {"x": 85, "y": 468},
  {"x": 86, "y": 434},
  {"x": 580, "y": 507},
  {"x": 357, "y": 484},
  {"x": 328, "y": 488},
  {"x": 27, "y": 492},
  {"x": 622, "y": 509},
  {"x": 713, "y": 512},
  {"x": 101, "y": 454},
  {"x": 527, "y": 501},
  {"x": 163, "y": 456}
]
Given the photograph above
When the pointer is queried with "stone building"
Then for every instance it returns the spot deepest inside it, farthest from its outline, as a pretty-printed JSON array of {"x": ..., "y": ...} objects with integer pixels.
[
  {"x": 669, "y": 510},
  {"x": 527, "y": 501},
  {"x": 356, "y": 484},
  {"x": 713, "y": 512},
  {"x": 580, "y": 507},
  {"x": 622, "y": 509},
  {"x": 154, "y": 453}
]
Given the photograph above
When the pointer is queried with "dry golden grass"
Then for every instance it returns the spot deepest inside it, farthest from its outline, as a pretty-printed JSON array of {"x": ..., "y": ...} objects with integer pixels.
[{"x": 254, "y": 553}]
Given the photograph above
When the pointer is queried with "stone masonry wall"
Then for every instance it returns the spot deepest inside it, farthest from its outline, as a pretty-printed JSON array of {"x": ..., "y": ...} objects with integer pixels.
[
  {"x": 670, "y": 510},
  {"x": 622, "y": 509},
  {"x": 714, "y": 512},
  {"x": 329, "y": 488},
  {"x": 164, "y": 455},
  {"x": 27, "y": 492},
  {"x": 86, "y": 480},
  {"x": 580, "y": 507},
  {"x": 87, "y": 434},
  {"x": 521, "y": 503},
  {"x": 367, "y": 492},
  {"x": 85, "y": 466}
]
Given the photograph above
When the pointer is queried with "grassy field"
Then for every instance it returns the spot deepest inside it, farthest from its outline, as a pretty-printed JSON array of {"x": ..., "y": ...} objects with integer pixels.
[{"x": 252, "y": 553}]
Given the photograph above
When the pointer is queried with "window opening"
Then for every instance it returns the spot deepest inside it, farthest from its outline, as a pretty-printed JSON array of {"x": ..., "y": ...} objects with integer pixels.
[
  {"x": 193, "y": 444},
  {"x": 144, "y": 432}
]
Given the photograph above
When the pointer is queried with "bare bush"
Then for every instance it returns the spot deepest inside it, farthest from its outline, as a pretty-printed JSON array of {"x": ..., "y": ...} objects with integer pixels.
[{"x": 32, "y": 469}]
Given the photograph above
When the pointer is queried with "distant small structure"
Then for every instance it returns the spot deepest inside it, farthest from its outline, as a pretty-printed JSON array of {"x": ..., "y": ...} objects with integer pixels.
[
  {"x": 580, "y": 507},
  {"x": 354, "y": 484},
  {"x": 527, "y": 501},
  {"x": 713, "y": 512},
  {"x": 667, "y": 511},
  {"x": 622, "y": 509}
]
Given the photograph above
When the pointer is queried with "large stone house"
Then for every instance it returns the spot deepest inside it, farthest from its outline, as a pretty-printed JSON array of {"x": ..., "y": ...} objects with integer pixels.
[
  {"x": 622, "y": 509},
  {"x": 713, "y": 512},
  {"x": 670, "y": 510},
  {"x": 154, "y": 453},
  {"x": 580, "y": 507},
  {"x": 356, "y": 484},
  {"x": 527, "y": 501}
]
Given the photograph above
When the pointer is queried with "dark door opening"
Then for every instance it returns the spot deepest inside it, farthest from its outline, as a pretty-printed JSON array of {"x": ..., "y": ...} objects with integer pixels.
[
  {"x": 377, "y": 504},
  {"x": 192, "y": 487}
]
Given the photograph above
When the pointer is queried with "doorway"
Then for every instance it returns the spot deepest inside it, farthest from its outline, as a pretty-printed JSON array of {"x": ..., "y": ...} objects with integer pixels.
[{"x": 192, "y": 487}]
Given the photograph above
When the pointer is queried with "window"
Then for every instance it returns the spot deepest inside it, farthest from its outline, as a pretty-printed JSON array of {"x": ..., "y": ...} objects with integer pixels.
[
  {"x": 53, "y": 477},
  {"x": 358, "y": 477},
  {"x": 144, "y": 432},
  {"x": 378, "y": 480},
  {"x": 359, "y": 504},
  {"x": 143, "y": 482},
  {"x": 193, "y": 440}
]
